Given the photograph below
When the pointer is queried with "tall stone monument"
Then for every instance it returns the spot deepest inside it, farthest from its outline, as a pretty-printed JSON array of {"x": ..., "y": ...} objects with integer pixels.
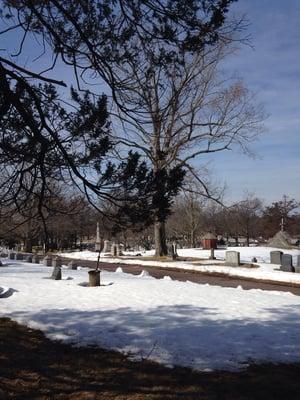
[{"x": 98, "y": 239}]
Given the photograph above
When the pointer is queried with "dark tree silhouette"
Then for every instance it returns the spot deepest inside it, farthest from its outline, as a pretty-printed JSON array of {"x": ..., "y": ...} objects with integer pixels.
[{"x": 43, "y": 141}]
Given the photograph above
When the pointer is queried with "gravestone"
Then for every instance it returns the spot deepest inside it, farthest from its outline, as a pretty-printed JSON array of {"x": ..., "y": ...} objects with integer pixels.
[
  {"x": 297, "y": 267},
  {"x": 254, "y": 259},
  {"x": 47, "y": 261},
  {"x": 1, "y": 265},
  {"x": 56, "y": 274},
  {"x": 287, "y": 263},
  {"x": 19, "y": 256},
  {"x": 35, "y": 259},
  {"x": 72, "y": 265},
  {"x": 232, "y": 258},
  {"x": 174, "y": 253},
  {"x": 118, "y": 250},
  {"x": 106, "y": 247},
  {"x": 56, "y": 262},
  {"x": 11, "y": 256},
  {"x": 113, "y": 250},
  {"x": 275, "y": 257},
  {"x": 29, "y": 258}
]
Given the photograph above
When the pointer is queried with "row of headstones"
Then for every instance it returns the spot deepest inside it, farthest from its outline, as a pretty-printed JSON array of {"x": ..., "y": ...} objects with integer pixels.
[
  {"x": 285, "y": 261},
  {"x": 31, "y": 258},
  {"x": 110, "y": 249}
]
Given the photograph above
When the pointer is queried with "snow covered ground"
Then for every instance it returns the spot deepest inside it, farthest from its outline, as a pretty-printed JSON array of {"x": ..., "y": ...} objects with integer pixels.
[
  {"x": 266, "y": 271},
  {"x": 175, "y": 323}
]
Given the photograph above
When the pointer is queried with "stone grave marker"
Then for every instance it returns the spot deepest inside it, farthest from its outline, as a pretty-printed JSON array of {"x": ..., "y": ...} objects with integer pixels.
[
  {"x": 29, "y": 258},
  {"x": 19, "y": 256},
  {"x": 287, "y": 263},
  {"x": 118, "y": 250},
  {"x": 35, "y": 259},
  {"x": 275, "y": 257},
  {"x": 47, "y": 261},
  {"x": 297, "y": 267},
  {"x": 11, "y": 256},
  {"x": 72, "y": 265},
  {"x": 232, "y": 258},
  {"x": 106, "y": 247},
  {"x": 113, "y": 250},
  {"x": 56, "y": 274}
]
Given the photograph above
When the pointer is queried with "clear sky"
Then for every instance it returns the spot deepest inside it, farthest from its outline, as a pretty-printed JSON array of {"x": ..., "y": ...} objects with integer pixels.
[{"x": 271, "y": 69}]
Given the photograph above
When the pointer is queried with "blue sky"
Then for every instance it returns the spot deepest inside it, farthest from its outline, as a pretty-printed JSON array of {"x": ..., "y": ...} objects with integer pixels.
[{"x": 271, "y": 69}]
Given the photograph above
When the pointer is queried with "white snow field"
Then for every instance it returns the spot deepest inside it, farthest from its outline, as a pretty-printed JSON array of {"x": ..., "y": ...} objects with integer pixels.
[
  {"x": 266, "y": 271},
  {"x": 175, "y": 323}
]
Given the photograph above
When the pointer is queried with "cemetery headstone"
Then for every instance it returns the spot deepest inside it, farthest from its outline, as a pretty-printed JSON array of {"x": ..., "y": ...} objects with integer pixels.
[
  {"x": 19, "y": 256},
  {"x": 275, "y": 257},
  {"x": 287, "y": 263},
  {"x": 35, "y": 259},
  {"x": 29, "y": 258},
  {"x": 72, "y": 265},
  {"x": 174, "y": 253},
  {"x": 118, "y": 250},
  {"x": 47, "y": 261},
  {"x": 113, "y": 250},
  {"x": 232, "y": 258},
  {"x": 56, "y": 274},
  {"x": 11, "y": 256},
  {"x": 254, "y": 259},
  {"x": 297, "y": 266},
  {"x": 106, "y": 247}
]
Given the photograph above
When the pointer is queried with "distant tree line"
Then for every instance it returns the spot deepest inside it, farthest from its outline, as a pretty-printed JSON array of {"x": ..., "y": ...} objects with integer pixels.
[{"x": 71, "y": 223}]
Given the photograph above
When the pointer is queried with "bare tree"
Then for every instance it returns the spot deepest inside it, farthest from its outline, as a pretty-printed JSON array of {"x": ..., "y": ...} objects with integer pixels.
[{"x": 180, "y": 112}]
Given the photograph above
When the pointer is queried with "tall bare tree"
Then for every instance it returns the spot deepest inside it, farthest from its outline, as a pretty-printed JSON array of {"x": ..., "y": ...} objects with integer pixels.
[{"x": 179, "y": 112}]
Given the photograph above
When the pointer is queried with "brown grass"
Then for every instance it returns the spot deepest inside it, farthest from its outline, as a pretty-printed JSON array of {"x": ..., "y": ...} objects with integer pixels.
[{"x": 33, "y": 367}]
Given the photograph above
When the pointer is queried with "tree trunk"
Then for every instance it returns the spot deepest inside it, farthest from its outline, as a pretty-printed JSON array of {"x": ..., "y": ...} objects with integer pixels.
[
  {"x": 160, "y": 239},
  {"x": 28, "y": 244}
]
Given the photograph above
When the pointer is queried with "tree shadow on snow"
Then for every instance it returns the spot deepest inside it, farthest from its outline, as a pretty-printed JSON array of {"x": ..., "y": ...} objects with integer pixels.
[{"x": 179, "y": 334}]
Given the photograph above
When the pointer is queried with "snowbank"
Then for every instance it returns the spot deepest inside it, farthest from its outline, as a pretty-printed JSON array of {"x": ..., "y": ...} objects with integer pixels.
[{"x": 266, "y": 271}]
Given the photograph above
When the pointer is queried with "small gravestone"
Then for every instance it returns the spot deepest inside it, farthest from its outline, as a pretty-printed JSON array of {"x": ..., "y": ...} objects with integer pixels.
[
  {"x": 232, "y": 258},
  {"x": 174, "y": 253},
  {"x": 35, "y": 259},
  {"x": 47, "y": 261},
  {"x": 19, "y": 256},
  {"x": 1, "y": 265},
  {"x": 118, "y": 250},
  {"x": 113, "y": 250},
  {"x": 11, "y": 256},
  {"x": 56, "y": 262},
  {"x": 106, "y": 247},
  {"x": 275, "y": 257},
  {"x": 29, "y": 259},
  {"x": 72, "y": 265},
  {"x": 254, "y": 259},
  {"x": 56, "y": 274},
  {"x": 297, "y": 267},
  {"x": 287, "y": 263}
]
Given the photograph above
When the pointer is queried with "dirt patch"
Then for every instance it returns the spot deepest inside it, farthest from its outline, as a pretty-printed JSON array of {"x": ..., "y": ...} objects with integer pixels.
[{"x": 33, "y": 367}]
